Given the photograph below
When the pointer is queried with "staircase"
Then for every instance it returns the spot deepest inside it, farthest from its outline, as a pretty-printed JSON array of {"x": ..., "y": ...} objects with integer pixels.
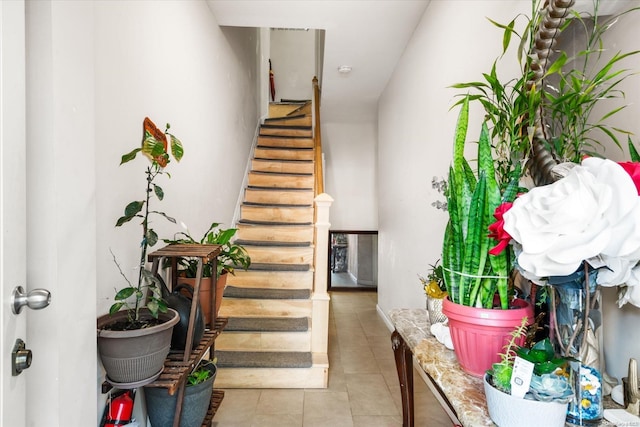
[{"x": 272, "y": 308}]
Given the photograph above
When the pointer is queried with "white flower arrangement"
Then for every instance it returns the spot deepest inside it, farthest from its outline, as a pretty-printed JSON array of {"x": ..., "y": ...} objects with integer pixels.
[{"x": 592, "y": 214}]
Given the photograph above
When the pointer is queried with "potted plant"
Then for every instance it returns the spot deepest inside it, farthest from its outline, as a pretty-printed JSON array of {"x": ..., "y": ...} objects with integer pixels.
[
  {"x": 231, "y": 256},
  {"x": 475, "y": 279},
  {"x": 569, "y": 200},
  {"x": 135, "y": 336},
  {"x": 548, "y": 393},
  {"x": 161, "y": 406},
  {"x": 435, "y": 290}
]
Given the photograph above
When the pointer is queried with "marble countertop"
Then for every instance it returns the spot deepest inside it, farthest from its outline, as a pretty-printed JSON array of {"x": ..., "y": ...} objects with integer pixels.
[{"x": 465, "y": 392}]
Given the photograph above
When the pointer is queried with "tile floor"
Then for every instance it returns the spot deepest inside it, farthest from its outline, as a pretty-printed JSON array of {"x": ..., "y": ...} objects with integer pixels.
[{"x": 363, "y": 385}]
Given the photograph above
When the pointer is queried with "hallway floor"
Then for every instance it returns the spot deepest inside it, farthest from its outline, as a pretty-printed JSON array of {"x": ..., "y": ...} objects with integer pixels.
[{"x": 363, "y": 384}]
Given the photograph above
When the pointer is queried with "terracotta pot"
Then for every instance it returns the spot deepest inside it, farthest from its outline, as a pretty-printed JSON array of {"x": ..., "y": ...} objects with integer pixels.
[
  {"x": 136, "y": 357},
  {"x": 480, "y": 334},
  {"x": 205, "y": 293}
]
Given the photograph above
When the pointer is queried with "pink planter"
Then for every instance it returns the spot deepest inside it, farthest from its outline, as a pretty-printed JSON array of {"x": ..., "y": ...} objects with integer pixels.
[{"x": 479, "y": 334}]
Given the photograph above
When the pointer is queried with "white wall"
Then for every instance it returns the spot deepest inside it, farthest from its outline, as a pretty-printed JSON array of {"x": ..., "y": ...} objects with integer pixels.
[
  {"x": 415, "y": 136},
  {"x": 350, "y": 174},
  {"x": 293, "y": 61},
  {"x": 415, "y": 144},
  {"x": 61, "y": 212},
  {"x": 170, "y": 61}
]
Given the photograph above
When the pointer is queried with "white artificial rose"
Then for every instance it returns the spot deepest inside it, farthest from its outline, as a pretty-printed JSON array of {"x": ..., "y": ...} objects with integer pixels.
[{"x": 578, "y": 217}]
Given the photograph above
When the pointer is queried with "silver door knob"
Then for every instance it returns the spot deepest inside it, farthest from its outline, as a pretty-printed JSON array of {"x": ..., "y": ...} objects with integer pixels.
[{"x": 36, "y": 299}]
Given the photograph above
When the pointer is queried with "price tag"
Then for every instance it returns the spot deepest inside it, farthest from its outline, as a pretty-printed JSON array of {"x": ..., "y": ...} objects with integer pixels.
[{"x": 521, "y": 377}]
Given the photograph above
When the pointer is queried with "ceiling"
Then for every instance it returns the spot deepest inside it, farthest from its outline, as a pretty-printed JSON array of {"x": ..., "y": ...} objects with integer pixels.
[{"x": 369, "y": 36}]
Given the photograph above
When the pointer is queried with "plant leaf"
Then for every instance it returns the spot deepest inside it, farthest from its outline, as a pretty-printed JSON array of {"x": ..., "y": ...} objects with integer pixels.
[
  {"x": 158, "y": 191},
  {"x": 125, "y": 293}
]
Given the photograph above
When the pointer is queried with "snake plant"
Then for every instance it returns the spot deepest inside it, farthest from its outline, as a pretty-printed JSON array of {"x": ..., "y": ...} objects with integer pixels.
[{"x": 473, "y": 276}]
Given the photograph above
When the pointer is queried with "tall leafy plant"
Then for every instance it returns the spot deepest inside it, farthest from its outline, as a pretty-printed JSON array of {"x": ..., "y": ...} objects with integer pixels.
[
  {"x": 576, "y": 84},
  {"x": 154, "y": 146},
  {"x": 473, "y": 276},
  {"x": 553, "y": 97}
]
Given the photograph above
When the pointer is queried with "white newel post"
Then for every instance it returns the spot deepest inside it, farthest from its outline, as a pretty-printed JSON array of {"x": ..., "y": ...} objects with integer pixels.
[{"x": 320, "y": 319}]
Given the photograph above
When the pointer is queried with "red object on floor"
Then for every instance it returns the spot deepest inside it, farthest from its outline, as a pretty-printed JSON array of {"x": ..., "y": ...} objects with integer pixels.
[{"x": 120, "y": 409}]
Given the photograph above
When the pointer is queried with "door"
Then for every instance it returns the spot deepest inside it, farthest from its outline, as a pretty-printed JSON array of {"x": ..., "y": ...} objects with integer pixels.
[{"x": 12, "y": 203}]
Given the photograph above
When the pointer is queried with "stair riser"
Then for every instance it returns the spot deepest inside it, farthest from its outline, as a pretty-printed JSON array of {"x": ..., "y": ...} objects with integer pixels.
[
  {"x": 314, "y": 377},
  {"x": 282, "y": 255},
  {"x": 272, "y": 279},
  {"x": 271, "y": 233},
  {"x": 272, "y": 197},
  {"x": 279, "y": 154},
  {"x": 264, "y": 341},
  {"x": 282, "y": 167},
  {"x": 283, "y": 131},
  {"x": 285, "y": 121},
  {"x": 275, "y": 214},
  {"x": 281, "y": 110},
  {"x": 265, "y": 141},
  {"x": 241, "y": 307},
  {"x": 280, "y": 181}
]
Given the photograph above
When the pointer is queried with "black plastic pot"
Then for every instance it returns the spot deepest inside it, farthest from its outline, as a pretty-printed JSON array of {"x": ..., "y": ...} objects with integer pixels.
[{"x": 161, "y": 407}]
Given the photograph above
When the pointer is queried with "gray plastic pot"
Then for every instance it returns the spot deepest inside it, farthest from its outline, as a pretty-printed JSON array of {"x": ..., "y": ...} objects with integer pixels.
[
  {"x": 136, "y": 357},
  {"x": 161, "y": 406}
]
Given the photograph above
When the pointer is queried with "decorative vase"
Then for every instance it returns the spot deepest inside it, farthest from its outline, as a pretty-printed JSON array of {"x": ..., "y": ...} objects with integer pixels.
[
  {"x": 161, "y": 406},
  {"x": 135, "y": 357},
  {"x": 480, "y": 334},
  {"x": 509, "y": 411},
  {"x": 434, "y": 309},
  {"x": 575, "y": 328}
]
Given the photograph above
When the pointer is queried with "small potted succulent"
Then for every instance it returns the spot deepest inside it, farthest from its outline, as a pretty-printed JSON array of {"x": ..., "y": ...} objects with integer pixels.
[
  {"x": 435, "y": 290},
  {"x": 135, "y": 336},
  {"x": 549, "y": 391}
]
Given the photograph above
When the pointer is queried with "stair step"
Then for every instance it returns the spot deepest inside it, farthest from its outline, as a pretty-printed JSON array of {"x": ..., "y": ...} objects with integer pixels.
[
  {"x": 265, "y": 293},
  {"x": 290, "y": 120},
  {"x": 270, "y": 213},
  {"x": 278, "y": 195},
  {"x": 272, "y": 223},
  {"x": 297, "y": 255},
  {"x": 248, "y": 307},
  {"x": 286, "y": 130},
  {"x": 278, "y": 267},
  {"x": 271, "y": 279},
  {"x": 314, "y": 377},
  {"x": 263, "y": 359},
  {"x": 283, "y": 153},
  {"x": 283, "y": 109},
  {"x": 275, "y": 141},
  {"x": 276, "y": 180},
  {"x": 267, "y": 324},
  {"x": 283, "y": 166},
  {"x": 264, "y": 341},
  {"x": 272, "y": 243},
  {"x": 275, "y": 233}
]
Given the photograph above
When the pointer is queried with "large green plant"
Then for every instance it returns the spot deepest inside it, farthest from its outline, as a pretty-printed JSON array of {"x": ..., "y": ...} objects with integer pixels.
[
  {"x": 154, "y": 146},
  {"x": 576, "y": 84},
  {"x": 554, "y": 97},
  {"x": 473, "y": 276},
  {"x": 231, "y": 254}
]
